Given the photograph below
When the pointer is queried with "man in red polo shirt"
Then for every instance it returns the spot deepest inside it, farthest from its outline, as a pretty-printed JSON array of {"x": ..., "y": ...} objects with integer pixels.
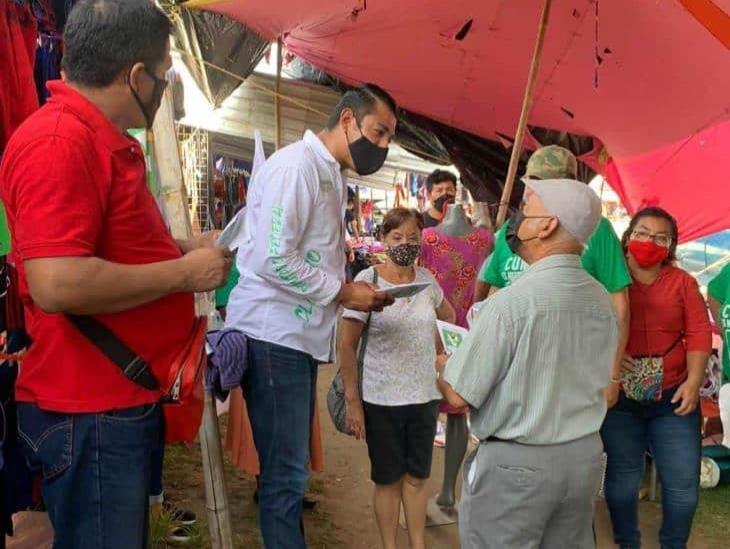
[{"x": 88, "y": 239}]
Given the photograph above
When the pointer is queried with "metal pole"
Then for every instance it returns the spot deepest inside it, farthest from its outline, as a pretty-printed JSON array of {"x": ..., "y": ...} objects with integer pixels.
[{"x": 522, "y": 124}]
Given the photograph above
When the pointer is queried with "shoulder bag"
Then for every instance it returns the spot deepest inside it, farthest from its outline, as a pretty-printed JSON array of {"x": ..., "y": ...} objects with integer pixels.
[
  {"x": 182, "y": 391},
  {"x": 336, "y": 403}
]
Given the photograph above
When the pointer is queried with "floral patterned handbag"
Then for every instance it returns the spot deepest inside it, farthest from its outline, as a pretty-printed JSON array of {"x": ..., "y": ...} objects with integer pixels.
[{"x": 644, "y": 383}]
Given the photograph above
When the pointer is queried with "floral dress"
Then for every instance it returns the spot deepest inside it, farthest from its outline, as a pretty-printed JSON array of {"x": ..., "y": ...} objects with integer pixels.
[{"x": 455, "y": 262}]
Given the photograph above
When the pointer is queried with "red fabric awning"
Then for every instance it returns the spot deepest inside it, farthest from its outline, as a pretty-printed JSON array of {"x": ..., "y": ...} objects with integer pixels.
[{"x": 649, "y": 80}]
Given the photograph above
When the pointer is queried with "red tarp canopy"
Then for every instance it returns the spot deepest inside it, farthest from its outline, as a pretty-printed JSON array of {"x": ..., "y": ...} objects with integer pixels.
[{"x": 649, "y": 80}]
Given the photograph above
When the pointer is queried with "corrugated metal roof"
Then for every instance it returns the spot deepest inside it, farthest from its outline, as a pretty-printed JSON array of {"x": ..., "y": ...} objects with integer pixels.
[{"x": 251, "y": 106}]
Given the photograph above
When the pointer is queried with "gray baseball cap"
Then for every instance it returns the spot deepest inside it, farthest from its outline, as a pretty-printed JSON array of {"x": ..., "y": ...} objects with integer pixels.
[{"x": 575, "y": 204}]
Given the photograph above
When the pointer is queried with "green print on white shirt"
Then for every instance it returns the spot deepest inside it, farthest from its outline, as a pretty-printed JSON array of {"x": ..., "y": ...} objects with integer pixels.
[
  {"x": 282, "y": 271},
  {"x": 304, "y": 310},
  {"x": 313, "y": 257}
]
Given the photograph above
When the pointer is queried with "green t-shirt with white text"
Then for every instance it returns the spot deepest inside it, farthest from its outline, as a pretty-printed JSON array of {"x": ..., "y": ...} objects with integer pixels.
[
  {"x": 719, "y": 290},
  {"x": 603, "y": 259}
]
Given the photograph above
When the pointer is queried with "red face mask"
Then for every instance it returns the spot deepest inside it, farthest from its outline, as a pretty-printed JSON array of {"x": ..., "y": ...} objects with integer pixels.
[{"x": 647, "y": 254}]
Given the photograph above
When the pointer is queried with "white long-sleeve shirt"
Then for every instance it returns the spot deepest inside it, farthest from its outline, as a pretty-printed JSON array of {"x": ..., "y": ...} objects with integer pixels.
[{"x": 292, "y": 261}]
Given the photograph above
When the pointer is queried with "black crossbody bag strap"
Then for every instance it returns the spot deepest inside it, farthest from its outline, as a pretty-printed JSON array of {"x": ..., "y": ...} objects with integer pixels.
[
  {"x": 364, "y": 342},
  {"x": 133, "y": 367}
]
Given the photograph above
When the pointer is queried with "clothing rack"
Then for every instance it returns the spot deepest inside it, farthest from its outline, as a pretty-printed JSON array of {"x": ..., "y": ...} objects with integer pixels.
[{"x": 54, "y": 37}]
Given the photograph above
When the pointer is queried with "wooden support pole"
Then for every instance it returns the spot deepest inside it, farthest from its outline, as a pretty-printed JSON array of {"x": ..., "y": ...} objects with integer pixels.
[
  {"x": 176, "y": 206},
  {"x": 216, "y": 495},
  {"x": 169, "y": 168},
  {"x": 277, "y": 99},
  {"x": 524, "y": 114}
]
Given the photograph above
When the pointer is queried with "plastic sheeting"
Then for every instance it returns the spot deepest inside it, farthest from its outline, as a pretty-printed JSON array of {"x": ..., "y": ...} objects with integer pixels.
[
  {"x": 221, "y": 42},
  {"x": 647, "y": 79}
]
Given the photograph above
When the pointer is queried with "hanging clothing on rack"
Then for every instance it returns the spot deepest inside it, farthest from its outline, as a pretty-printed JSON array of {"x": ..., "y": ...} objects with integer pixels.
[
  {"x": 47, "y": 64},
  {"x": 18, "y": 98},
  {"x": 61, "y": 9}
]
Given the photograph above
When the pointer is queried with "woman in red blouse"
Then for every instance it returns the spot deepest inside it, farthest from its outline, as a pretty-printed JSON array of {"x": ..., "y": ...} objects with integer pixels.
[{"x": 657, "y": 408}]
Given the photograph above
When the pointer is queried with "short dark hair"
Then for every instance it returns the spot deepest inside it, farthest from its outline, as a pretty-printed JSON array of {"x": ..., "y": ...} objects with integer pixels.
[
  {"x": 397, "y": 216},
  {"x": 661, "y": 214},
  {"x": 439, "y": 176},
  {"x": 361, "y": 101},
  {"x": 102, "y": 38}
]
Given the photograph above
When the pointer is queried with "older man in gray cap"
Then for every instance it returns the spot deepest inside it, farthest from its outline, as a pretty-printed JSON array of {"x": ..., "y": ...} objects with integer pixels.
[{"x": 533, "y": 370}]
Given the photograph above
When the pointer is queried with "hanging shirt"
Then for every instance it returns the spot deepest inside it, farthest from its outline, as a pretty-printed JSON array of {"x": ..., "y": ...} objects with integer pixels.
[
  {"x": 663, "y": 311},
  {"x": 455, "y": 261},
  {"x": 18, "y": 97},
  {"x": 75, "y": 186},
  {"x": 603, "y": 258},
  {"x": 719, "y": 290},
  {"x": 292, "y": 263}
]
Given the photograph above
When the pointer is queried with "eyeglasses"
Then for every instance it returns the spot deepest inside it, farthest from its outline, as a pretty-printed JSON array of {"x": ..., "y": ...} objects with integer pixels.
[{"x": 660, "y": 239}]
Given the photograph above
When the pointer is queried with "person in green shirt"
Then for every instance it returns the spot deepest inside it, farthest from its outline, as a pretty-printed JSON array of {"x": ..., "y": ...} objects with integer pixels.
[
  {"x": 603, "y": 257},
  {"x": 224, "y": 293},
  {"x": 718, "y": 296}
]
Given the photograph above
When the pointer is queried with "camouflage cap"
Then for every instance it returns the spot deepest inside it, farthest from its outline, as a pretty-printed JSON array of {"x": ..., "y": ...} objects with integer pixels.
[{"x": 552, "y": 162}]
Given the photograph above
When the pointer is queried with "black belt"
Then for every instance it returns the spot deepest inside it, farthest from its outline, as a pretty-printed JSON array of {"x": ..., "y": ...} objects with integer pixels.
[{"x": 495, "y": 439}]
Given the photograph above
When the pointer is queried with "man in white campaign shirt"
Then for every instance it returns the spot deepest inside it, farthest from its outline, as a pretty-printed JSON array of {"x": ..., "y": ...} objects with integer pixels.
[{"x": 292, "y": 266}]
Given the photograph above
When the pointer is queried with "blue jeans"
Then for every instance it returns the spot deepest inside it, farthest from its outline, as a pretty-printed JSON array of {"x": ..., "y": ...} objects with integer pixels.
[
  {"x": 96, "y": 473},
  {"x": 280, "y": 387},
  {"x": 629, "y": 430},
  {"x": 156, "y": 466}
]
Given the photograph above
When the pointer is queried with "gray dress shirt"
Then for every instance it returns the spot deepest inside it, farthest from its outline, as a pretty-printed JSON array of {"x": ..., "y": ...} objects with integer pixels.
[{"x": 536, "y": 362}]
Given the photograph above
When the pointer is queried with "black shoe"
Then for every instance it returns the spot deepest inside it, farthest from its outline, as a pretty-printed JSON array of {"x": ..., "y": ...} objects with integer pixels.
[
  {"x": 181, "y": 516},
  {"x": 178, "y": 535}
]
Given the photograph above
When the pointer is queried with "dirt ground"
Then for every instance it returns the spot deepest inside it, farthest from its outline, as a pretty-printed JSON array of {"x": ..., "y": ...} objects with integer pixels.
[
  {"x": 347, "y": 496},
  {"x": 343, "y": 517}
]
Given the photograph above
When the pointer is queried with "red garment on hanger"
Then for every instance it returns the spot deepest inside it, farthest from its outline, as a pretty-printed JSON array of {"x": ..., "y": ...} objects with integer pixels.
[{"x": 18, "y": 97}]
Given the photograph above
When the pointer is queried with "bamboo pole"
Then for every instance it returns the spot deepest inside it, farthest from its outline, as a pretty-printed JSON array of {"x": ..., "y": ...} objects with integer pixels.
[
  {"x": 277, "y": 102},
  {"x": 200, "y": 4},
  {"x": 216, "y": 495},
  {"x": 524, "y": 114},
  {"x": 169, "y": 168},
  {"x": 175, "y": 197}
]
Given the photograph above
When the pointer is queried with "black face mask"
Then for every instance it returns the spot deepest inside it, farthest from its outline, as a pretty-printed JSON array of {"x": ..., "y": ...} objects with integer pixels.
[
  {"x": 150, "y": 110},
  {"x": 513, "y": 228},
  {"x": 366, "y": 155},
  {"x": 442, "y": 200}
]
